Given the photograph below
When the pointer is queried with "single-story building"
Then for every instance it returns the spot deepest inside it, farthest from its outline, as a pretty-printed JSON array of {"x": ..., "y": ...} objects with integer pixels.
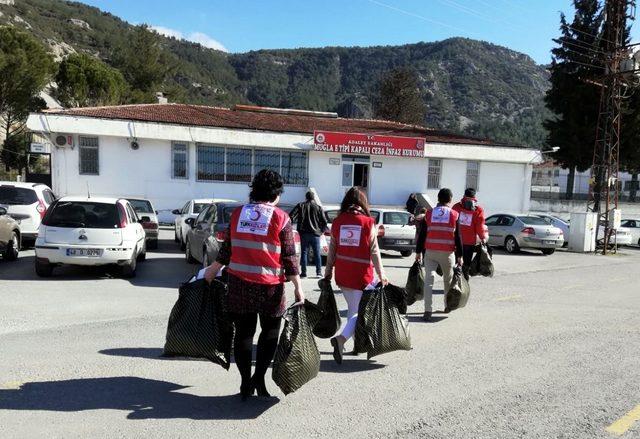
[{"x": 171, "y": 153}]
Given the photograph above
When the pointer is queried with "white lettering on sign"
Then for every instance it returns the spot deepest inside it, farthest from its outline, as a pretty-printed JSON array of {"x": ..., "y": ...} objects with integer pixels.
[
  {"x": 466, "y": 218},
  {"x": 441, "y": 214},
  {"x": 350, "y": 235},
  {"x": 255, "y": 219}
]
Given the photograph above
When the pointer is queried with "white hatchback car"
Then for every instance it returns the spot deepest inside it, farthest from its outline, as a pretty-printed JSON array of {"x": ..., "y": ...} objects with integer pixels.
[
  {"x": 191, "y": 209},
  {"x": 90, "y": 231},
  {"x": 27, "y": 203}
]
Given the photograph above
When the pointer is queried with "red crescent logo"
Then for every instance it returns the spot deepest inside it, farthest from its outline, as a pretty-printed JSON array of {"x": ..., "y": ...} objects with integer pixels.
[
  {"x": 258, "y": 215},
  {"x": 350, "y": 234}
]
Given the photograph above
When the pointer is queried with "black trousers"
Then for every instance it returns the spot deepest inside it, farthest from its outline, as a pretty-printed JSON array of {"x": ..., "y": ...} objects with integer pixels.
[
  {"x": 467, "y": 257},
  {"x": 245, "y": 325}
]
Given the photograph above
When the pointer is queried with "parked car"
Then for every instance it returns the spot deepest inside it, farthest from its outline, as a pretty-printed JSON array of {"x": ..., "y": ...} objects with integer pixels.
[
  {"x": 394, "y": 231},
  {"x": 27, "y": 203},
  {"x": 90, "y": 231},
  {"x": 191, "y": 209},
  {"x": 9, "y": 236},
  {"x": 557, "y": 222},
  {"x": 145, "y": 209},
  {"x": 207, "y": 232},
  {"x": 632, "y": 227},
  {"x": 623, "y": 236},
  {"x": 514, "y": 232}
]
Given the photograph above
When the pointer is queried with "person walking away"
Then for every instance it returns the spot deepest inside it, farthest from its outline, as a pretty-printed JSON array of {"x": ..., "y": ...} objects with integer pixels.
[
  {"x": 440, "y": 240},
  {"x": 471, "y": 223},
  {"x": 260, "y": 254},
  {"x": 412, "y": 203},
  {"x": 311, "y": 224},
  {"x": 354, "y": 254}
]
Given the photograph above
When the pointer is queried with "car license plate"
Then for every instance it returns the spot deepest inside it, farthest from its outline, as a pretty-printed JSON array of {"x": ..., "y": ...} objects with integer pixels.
[
  {"x": 402, "y": 242},
  {"x": 548, "y": 242},
  {"x": 89, "y": 252}
]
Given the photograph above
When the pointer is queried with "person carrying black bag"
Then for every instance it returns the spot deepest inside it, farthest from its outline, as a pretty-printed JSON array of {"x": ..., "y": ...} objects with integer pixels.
[{"x": 259, "y": 252}]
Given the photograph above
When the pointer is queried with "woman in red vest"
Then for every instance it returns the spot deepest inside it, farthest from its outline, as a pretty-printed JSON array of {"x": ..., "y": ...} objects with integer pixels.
[
  {"x": 354, "y": 253},
  {"x": 260, "y": 253}
]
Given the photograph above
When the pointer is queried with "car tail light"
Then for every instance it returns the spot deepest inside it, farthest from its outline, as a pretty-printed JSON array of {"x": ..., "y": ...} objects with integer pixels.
[
  {"x": 123, "y": 216},
  {"x": 41, "y": 208},
  {"x": 380, "y": 231},
  {"x": 150, "y": 226},
  {"x": 528, "y": 231},
  {"x": 221, "y": 235}
]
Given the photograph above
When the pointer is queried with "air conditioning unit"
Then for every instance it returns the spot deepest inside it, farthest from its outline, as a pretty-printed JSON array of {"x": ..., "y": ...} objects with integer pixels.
[{"x": 62, "y": 140}]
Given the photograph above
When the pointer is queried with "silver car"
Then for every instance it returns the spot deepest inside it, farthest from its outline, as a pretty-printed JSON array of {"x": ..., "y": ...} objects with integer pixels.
[{"x": 514, "y": 232}]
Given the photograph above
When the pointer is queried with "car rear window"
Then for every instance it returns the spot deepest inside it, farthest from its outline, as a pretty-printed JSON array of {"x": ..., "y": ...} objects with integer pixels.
[
  {"x": 533, "y": 221},
  {"x": 141, "y": 205},
  {"x": 226, "y": 214},
  {"x": 395, "y": 218},
  {"x": 12, "y": 195},
  {"x": 89, "y": 215},
  {"x": 333, "y": 214}
]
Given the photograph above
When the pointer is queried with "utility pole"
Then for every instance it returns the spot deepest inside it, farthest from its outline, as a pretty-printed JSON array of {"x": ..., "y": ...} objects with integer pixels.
[{"x": 604, "y": 187}]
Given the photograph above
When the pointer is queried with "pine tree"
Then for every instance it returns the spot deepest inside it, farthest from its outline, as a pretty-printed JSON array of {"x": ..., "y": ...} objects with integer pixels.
[
  {"x": 399, "y": 98},
  {"x": 573, "y": 97}
]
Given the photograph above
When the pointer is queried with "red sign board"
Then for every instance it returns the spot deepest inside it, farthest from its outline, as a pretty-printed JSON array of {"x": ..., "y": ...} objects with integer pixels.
[{"x": 368, "y": 144}]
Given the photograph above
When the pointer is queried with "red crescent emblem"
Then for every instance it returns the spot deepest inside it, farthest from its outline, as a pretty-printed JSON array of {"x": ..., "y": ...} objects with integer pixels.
[
  {"x": 350, "y": 234},
  {"x": 258, "y": 215}
]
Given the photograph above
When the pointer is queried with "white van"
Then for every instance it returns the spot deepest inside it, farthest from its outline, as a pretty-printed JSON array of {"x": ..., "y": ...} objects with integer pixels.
[{"x": 90, "y": 231}]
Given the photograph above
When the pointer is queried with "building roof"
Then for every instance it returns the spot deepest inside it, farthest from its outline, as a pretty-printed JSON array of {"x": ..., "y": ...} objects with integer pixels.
[{"x": 265, "y": 119}]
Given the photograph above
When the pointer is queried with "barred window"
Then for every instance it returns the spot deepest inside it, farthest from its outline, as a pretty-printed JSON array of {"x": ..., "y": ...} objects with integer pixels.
[
  {"x": 210, "y": 161},
  {"x": 434, "y": 171},
  {"x": 179, "y": 160},
  {"x": 89, "y": 157},
  {"x": 267, "y": 159},
  {"x": 473, "y": 171},
  {"x": 238, "y": 164},
  {"x": 294, "y": 167}
]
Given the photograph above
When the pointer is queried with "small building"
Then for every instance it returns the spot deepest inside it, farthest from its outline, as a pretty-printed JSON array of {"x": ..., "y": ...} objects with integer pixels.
[{"x": 170, "y": 153}]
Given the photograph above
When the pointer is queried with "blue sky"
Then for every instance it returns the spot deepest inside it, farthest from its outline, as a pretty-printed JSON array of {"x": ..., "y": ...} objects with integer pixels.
[{"x": 242, "y": 25}]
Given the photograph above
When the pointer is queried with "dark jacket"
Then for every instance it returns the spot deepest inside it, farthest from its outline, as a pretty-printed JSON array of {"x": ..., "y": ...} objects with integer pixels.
[{"x": 309, "y": 218}]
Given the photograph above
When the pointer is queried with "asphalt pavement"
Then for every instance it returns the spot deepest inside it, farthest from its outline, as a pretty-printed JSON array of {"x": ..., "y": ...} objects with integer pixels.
[{"x": 547, "y": 348}]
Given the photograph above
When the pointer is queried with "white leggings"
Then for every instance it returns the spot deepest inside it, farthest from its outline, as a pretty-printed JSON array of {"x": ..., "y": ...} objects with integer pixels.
[{"x": 353, "y": 302}]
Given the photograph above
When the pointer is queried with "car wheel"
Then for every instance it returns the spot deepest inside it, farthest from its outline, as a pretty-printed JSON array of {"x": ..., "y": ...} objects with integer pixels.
[
  {"x": 406, "y": 253},
  {"x": 183, "y": 244},
  {"x": 187, "y": 253},
  {"x": 548, "y": 251},
  {"x": 175, "y": 235},
  {"x": 143, "y": 254},
  {"x": 13, "y": 248},
  {"x": 129, "y": 270},
  {"x": 43, "y": 269},
  {"x": 511, "y": 245}
]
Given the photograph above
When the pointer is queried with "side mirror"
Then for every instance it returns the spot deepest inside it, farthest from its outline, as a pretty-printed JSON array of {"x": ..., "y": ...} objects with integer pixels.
[
  {"x": 176, "y": 211},
  {"x": 3, "y": 211},
  {"x": 189, "y": 222},
  {"x": 145, "y": 219}
]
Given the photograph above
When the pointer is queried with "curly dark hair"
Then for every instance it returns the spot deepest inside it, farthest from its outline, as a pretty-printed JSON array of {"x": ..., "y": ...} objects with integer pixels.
[{"x": 266, "y": 186}]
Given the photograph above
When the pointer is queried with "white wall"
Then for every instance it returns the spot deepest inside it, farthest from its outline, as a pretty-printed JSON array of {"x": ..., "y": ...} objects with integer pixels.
[{"x": 504, "y": 187}]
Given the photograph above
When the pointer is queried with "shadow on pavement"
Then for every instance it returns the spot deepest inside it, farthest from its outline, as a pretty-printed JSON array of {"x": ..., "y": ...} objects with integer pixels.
[
  {"x": 418, "y": 319},
  {"x": 349, "y": 365},
  {"x": 147, "y": 353},
  {"x": 142, "y": 398}
]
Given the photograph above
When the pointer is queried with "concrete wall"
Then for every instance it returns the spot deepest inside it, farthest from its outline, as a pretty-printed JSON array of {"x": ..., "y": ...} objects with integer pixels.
[{"x": 564, "y": 208}]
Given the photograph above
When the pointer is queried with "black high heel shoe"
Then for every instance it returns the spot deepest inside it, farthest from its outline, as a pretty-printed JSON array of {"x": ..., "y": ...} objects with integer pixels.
[
  {"x": 247, "y": 389},
  {"x": 259, "y": 386}
]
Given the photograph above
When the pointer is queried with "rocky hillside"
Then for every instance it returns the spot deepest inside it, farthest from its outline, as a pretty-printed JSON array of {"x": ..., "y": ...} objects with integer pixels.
[{"x": 469, "y": 86}]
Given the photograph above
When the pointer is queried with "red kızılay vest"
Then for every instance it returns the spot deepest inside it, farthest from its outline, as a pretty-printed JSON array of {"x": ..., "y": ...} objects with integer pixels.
[
  {"x": 352, "y": 232},
  {"x": 441, "y": 227},
  {"x": 255, "y": 243}
]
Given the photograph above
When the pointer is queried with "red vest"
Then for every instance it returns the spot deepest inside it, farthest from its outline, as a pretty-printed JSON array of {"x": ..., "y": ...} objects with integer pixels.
[
  {"x": 255, "y": 243},
  {"x": 441, "y": 228},
  {"x": 471, "y": 223},
  {"x": 352, "y": 232}
]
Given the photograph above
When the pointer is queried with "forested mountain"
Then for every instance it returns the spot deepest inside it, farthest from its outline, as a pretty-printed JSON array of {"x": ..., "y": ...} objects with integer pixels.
[{"x": 469, "y": 86}]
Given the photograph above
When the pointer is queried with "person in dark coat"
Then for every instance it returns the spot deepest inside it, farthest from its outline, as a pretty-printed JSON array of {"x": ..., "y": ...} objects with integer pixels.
[
  {"x": 311, "y": 224},
  {"x": 412, "y": 203}
]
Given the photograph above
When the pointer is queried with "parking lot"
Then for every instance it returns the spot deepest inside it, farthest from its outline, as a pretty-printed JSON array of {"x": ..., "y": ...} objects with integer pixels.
[{"x": 546, "y": 348}]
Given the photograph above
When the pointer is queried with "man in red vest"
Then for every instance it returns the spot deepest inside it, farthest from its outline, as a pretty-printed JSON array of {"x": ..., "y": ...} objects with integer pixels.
[
  {"x": 440, "y": 240},
  {"x": 471, "y": 223}
]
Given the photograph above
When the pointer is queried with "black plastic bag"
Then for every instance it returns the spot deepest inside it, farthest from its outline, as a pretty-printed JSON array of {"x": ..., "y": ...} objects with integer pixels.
[
  {"x": 415, "y": 283},
  {"x": 397, "y": 296},
  {"x": 458, "y": 293},
  {"x": 199, "y": 325},
  {"x": 297, "y": 359},
  {"x": 482, "y": 263},
  {"x": 330, "y": 321},
  {"x": 380, "y": 327}
]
